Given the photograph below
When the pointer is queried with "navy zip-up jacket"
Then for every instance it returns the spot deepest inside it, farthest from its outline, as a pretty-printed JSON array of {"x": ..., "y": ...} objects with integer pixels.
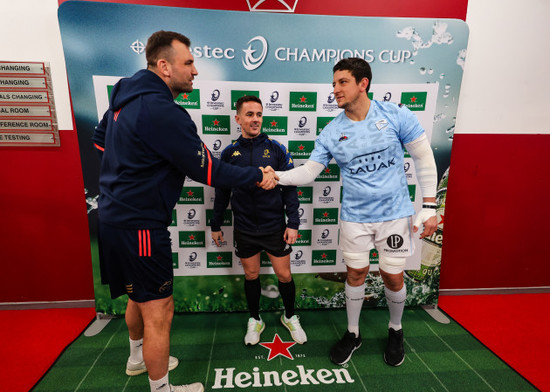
[
  {"x": 148, "y": 145},
  {"x": 255, "y": 209}
]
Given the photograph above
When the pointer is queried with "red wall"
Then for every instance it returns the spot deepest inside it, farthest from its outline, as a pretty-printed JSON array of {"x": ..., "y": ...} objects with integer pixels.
[
  {"x": 497, "y": 212},
  {"x": 44, "y": 238}
]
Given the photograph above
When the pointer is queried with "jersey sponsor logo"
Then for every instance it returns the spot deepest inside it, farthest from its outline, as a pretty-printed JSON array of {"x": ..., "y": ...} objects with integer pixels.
[
  {"x": 266, "y": 154},
  {"x": 372, "y": 162},
  {"x": 236, "y": 154},
  {"x": 395, "y": 241}
]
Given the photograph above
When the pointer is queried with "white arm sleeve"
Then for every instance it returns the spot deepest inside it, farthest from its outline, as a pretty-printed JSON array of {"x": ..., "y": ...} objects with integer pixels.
[
  {"x": 424, "y": 163},
  {"x": 301, "y": 175}
]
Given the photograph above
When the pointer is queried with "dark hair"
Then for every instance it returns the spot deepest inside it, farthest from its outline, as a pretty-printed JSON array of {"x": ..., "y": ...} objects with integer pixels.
[
  {"x": 247, "y": 98},
  {"x": 159, "y": 45},
  {"x": 358, "y": 67}
]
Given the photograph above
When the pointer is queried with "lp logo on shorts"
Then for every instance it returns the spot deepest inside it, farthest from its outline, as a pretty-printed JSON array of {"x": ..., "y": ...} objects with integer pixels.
[{"x": 395, "y": 241}]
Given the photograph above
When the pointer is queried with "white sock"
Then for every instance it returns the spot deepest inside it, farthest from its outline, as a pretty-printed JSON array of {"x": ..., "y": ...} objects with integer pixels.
[
  {"x": 161, "y": 385},
  {"x": 136, "y": 350},
  {"x": 396, "y": 304},
  {"x": 354, "y": 303}
]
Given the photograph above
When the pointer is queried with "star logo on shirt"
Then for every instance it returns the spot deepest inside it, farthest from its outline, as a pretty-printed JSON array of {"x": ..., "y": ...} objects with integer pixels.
[{"x": 278, "y": 347}]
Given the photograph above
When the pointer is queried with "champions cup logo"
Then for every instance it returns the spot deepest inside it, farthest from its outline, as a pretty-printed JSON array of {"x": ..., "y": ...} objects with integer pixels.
[
  {"x": 250, "y": 62},
  {"x": 407, "y": 167},
  {"x": 191, "y": 213},
  {"x": 193, "y": 256},
  {"x": 387, "y": 97},
  {"x": 215, "y": 95},
  {"x": 302, "y": 122},
  {"x": 274, "y": 96},
  {"x": 326, "y": 191},
  {"x": 217, "y": 145},
  {"x": 331, "y": 98},
  {"x": 298, "y": 255},
  {"x": 272, "y": 6},
  {"x": 325, "y": 233},
  {"x": 300, "y": 212}
]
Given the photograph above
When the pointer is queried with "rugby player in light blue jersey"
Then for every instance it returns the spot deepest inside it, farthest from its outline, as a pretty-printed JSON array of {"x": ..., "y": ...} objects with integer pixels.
[{"x": 366, "y": 140}]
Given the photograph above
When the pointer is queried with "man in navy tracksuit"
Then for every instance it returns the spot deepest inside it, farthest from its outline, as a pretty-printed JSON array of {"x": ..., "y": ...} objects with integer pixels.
[
  {"x": 148, "y": 145},
  {"x": 259, "y": 218}
]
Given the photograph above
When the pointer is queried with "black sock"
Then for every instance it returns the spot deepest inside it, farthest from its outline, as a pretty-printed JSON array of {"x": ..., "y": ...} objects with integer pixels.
[
  {"x": 252, "y": 290},
  {"x": 288, "y": 294}
]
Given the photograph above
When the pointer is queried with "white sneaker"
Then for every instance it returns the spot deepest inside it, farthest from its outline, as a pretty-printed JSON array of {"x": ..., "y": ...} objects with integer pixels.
[
  {"x": 195, "y": 387},
  {"x": 296, "y": 330},
  {"x": 133, "y": 369},
  {"x": 253, "y": 331}
]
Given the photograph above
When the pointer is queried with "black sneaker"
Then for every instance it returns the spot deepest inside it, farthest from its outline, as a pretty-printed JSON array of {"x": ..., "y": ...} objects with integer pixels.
[
  {"x": 341, "y": 352},
  {"x": 395, "y": 353}
]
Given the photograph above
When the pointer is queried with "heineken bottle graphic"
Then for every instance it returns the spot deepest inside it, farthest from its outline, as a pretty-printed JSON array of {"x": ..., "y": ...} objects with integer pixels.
[{"x": 430, "y": 258}]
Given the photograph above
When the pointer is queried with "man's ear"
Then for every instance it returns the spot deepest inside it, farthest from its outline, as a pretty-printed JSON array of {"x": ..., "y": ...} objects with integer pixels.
[{"x": 164, "y": 67}]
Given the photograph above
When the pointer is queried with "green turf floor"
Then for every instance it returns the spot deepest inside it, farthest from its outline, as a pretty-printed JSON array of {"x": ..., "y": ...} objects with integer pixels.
[{"x": 440, "y": 357}]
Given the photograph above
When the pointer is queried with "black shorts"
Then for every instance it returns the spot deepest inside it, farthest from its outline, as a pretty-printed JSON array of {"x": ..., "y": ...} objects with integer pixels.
[
  {"x": 136, "y": 262},
  {"x": 248, "y": 244}
]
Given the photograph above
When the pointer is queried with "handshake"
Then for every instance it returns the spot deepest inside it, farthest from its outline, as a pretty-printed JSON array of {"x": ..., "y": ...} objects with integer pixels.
[{"x": 269, "y": 180}]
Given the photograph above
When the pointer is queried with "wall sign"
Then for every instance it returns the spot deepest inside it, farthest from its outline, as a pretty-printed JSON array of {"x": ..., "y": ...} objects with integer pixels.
[{"x": 27, "y": 109}]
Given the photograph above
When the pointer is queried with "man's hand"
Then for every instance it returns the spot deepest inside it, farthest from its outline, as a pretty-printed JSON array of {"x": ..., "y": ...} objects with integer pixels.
[
  {"x": 291, "y": 235},
  {"x": 217, "y": 236},
  {"x": 427, "y": 217},
  {"x": 269, "y": 180}
]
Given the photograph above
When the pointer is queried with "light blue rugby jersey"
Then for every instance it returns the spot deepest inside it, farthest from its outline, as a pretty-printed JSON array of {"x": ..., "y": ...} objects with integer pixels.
[{"x": 371, "y": 160}]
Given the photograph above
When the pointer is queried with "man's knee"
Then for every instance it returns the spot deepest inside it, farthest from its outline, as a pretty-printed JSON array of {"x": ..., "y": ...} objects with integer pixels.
[{"x": 391, "y": 269}]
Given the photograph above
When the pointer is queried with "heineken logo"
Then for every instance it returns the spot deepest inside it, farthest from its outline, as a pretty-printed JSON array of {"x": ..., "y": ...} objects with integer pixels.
[
  {"x": 175, "y": 261},
  {"x": 414, "y": 101},
  {"x": 303, "y": 101},
  {"x": 412, "y": 192},
  {"x": 323, "y": 257},
  {"x": 305, "y": 194},
  {"x": 325, "y": 216},
  {"x": 236, "y": 94},
  {"x": 190, "y": 100},
  {"x": 373, "y": 256},
  {"x": 192, "y": 195},
  {"x": 227, "y": 378},
  {"x": 304, "y": 238},
  {"x": 322, "y": 122},
  {"x": 330, "y": 173},
  {"x": 191, "y": 239},
  {"x": 275, "y": 125},
  {"x": 301, "y": 149},
  {"x": 227, "y": 217},
  {"x": 219, "y": 260},
  {"x": 174, "y": 218},
  {"x": 216, "y": 125}
]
